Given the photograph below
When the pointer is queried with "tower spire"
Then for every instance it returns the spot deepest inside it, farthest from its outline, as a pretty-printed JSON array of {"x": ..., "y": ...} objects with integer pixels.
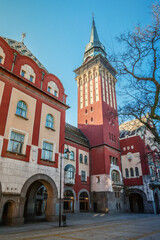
[
  {"x": 94, "y": 35},
  {"x": 94, "y": 47}
]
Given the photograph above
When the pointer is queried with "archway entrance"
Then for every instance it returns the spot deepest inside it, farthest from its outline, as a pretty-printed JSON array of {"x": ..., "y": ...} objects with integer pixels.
[
  {"x": 136, "y": 203},
  {"x": 41, "y": 201},
  {"x": 8, "y": 211},
  {"x": 83, "y": 202},
  {"x": 68, "y": 202},
  {"x": 39, "y": 194},
  {"x": 157, "y": 203}
]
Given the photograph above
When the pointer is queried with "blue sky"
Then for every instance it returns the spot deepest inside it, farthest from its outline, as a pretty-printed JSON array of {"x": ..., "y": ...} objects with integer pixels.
[{"x": 57, "y": 32}]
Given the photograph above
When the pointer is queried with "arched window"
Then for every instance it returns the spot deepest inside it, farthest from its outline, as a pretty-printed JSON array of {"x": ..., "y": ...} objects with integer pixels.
[
  {"x": 137, "y": 171},
  {"x": 50, "y": 121},
  {"x": 85, "y": 160},
  {"x": 81, "y": 158},
  {"x": 115, "y": 176},
  {"x": 66, "y": 154},
  {"x": 131, "y": 172},
  {"x": 127, "y": 172},
  {"x": 2, "y": 56},
  {"x": 70, "y": 173},
  {"x": 21, "y": 109},
  {"x": 71, "y": 155},
  {"x": 28, "y": 72},
  {"x": 53, "y": 88}
]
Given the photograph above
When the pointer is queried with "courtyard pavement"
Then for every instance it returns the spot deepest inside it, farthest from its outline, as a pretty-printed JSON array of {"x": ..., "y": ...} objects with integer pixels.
[{"x": 86, "y": 226}]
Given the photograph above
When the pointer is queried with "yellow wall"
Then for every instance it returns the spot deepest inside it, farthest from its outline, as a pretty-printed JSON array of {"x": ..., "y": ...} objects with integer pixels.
[
  {"x": 48, "y": 134},
  {"x": 1, "y": 90},
  {"x": 17, "y": 122}
]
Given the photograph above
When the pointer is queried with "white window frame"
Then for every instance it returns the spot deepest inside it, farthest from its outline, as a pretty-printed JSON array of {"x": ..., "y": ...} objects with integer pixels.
[
  {"x": 24, "y": 143},
  {"x": 54, "y": 149}
]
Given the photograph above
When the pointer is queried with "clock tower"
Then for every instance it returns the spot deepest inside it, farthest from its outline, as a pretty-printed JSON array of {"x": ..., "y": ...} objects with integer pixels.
[{"x": 97, "y": 119}]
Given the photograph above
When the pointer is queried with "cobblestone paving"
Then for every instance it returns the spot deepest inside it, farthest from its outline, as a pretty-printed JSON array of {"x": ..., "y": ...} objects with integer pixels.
[{"x": 90, "y": 226}]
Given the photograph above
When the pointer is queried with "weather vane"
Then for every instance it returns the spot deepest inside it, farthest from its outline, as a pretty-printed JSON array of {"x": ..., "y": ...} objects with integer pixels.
[{"x": 23, "y": 36}]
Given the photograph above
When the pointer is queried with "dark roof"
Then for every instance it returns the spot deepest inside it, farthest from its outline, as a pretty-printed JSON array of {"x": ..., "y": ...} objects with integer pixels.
[
  {"x": 23, "y": 50},
  {"x": 75, "y": 135}
]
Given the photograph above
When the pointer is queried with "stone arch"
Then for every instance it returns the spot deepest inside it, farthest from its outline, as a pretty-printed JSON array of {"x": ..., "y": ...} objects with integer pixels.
[
  {"x": 115, "y": 168},
  {"x": 8, "y": 212},
  {"x": 74, "y": 194},
  {"x": 28, "y": 192},
  {"x": 137, "y": 200},
  {"x": 86, "y": 191}
]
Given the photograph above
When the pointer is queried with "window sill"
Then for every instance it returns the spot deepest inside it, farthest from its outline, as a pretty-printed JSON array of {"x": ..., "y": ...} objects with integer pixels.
[
  {"x": 47, "y": 160},
  {"x": 15, "y": 153},
  {"x": 21, "y": 116},
  {"x": 50, "y": 128}
]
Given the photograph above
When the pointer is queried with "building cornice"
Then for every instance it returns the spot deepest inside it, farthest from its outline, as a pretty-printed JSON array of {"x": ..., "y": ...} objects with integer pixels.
[
  {"x": 93, "y": 61},
  {"x": 33, "y": 88}
]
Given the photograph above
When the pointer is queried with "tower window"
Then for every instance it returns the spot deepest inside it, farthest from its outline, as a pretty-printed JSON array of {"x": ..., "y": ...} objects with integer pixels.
[
  {"x": 91, "y": 119},
  {"x": 86, "y": 111},
  {"x": 127, "y": 172},
  {"x": 131, "y": 172},
  {"x": 91, "y": 109},
  {"x": 137, "y": 171},
  {"x": 86, "y": 121}
]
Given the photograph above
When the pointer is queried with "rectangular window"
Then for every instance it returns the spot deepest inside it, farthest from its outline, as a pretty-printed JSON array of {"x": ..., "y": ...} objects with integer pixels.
[
  {"x": 22, "y": 73},
  {"x": 49, "y": 89},
  {"x": 47, "y": 151},
  {"x": 16, "y": 142},
  {"x": 31, "y": 78},
  {"x": 83, "y": 176},
  {"x": 55, "y": 93}
]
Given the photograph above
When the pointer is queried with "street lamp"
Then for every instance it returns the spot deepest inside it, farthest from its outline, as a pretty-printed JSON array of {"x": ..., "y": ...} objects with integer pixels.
[{"x": 60, "y": 202}]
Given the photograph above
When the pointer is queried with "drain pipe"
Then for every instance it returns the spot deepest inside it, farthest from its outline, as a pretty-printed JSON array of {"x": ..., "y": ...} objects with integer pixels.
[
  {"x": 42, "y": 80},
  {"x": 14, "y": 60}
]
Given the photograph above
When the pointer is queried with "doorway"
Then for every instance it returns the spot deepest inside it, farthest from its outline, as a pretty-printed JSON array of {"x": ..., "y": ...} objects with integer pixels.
[{"x": 136, "y": 203}]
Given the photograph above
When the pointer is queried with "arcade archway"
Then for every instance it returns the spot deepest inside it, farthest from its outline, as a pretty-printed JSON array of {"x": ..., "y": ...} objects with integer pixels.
[
  {"x": 83, "y": 202},
  {"x": 68, "y": 201},
  {"x": 8, "y": 212},
  {"x": 136, "y": 203},
  {"x": 39, "y": 198}
]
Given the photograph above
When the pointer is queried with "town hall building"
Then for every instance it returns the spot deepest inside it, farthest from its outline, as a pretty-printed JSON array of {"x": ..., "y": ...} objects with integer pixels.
[{"x": 48, "y": 165}]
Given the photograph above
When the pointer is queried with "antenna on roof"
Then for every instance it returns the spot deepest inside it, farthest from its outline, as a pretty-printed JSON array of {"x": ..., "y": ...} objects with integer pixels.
[{"x": 23, "y": 36}]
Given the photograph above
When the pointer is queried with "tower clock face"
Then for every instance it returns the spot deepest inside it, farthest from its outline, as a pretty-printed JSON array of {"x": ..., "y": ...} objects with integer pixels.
[{"x": 129, "y": 156}]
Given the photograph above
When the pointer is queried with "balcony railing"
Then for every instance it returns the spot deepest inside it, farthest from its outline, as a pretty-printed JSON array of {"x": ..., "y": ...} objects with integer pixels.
[{"x": 69, "y": 181}]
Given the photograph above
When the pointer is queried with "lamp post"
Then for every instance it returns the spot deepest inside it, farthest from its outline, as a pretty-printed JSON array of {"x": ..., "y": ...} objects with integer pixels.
[{"x": 60, "y": 187}]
